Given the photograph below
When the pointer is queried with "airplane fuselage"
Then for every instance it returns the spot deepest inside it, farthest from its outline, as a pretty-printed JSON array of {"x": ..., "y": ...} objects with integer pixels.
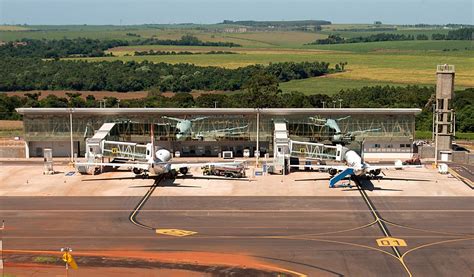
[
  {"x": 354, "y": 161},
  {"x": 184, "y": 129}
]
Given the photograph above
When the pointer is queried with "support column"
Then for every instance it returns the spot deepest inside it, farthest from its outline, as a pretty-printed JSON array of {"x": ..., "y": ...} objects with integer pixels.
[{"x": 443, "y": 112}]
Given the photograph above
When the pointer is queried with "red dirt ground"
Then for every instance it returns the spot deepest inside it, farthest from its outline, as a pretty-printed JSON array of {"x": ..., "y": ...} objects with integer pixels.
[
  {"x": 181, "y": 257},
  {"x": 103, "y": 94},
  {"x": 35, "y": 270}
]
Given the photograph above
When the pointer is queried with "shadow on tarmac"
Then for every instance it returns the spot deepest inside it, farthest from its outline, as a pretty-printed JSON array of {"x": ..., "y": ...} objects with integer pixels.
[{"x": 366, "y": 184}]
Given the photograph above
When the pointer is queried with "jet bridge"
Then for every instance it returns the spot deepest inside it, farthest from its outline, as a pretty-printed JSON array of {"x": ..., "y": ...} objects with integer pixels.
[
  {"x": 315, "y": 151},
  {"x": 99, "y": 147},
  {"x": 285, "y": 149}
]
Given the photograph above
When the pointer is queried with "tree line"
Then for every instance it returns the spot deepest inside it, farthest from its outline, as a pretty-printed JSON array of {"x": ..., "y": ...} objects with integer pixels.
[
  {"x": 170, "y": 53},
  {"x": 84, "y": 47},
  {"x": 35, "y": 74},
  {"x": 459, "y": 34}
]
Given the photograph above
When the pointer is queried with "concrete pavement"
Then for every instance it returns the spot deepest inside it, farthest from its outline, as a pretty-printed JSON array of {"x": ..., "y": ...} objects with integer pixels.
[{"x": 315, "y": 235}]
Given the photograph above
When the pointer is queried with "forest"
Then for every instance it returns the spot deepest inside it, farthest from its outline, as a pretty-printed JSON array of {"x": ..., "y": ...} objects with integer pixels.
[
  {"x": 35, "y": 74},
  {"x": 85, "y": 47}
]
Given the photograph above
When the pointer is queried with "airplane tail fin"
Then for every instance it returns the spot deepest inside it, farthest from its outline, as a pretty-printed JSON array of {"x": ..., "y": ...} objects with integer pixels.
[
  {"x": 346, "y": 172},
  {"x": 152, "y": 138}
]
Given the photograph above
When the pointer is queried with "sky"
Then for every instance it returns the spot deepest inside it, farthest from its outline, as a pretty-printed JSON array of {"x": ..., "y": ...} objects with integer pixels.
[{"x": 130, "y": 12}]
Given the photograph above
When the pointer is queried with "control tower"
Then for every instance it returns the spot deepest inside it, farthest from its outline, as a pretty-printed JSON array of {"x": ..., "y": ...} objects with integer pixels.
[{"x": 444, "y": 115}]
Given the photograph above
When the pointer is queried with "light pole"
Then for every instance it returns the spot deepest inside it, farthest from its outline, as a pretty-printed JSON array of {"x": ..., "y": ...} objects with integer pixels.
[
  {"x": 257, "y": 152},
  {"x": 70, "y": 129}
]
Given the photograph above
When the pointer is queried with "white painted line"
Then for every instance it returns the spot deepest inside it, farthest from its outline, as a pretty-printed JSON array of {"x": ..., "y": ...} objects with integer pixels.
[{"x": 240, "y": 211}]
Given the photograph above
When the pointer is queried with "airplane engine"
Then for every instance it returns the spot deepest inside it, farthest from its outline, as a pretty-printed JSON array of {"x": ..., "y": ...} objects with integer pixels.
[
  {"x": 183, "y": 170},
  {"x": 376, "y": 172},
  {"x": 137, "y": 171},
  {"x": 332, "y": 171},
  {"x": 163, "y": 155}
]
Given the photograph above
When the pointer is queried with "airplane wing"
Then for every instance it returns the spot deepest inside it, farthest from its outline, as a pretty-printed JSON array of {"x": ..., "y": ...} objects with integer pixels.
[
  {"x": 144, "y": 166},
  {"x": 315, "y": 166},
  {"x": 356, "y": 133},
  {"x": 189, "y": 165},
  {"x": 230, "y": 130},
  {"x": 172, "y": 118},
  {"x": 343, "y": 118},
  {"x": 198, "y": 118},
  {"x": 321, "y": 121},
  {"x": 375, "y": 167}
]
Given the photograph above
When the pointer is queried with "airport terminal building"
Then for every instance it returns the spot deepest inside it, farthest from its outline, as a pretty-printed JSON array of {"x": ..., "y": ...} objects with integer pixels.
[{"x": 207, "y": 132}]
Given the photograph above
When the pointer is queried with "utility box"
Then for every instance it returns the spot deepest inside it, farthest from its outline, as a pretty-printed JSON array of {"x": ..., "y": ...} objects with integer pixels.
[
  {"x": 48, "y": 161},
  {"x": 445, "y": 156}
]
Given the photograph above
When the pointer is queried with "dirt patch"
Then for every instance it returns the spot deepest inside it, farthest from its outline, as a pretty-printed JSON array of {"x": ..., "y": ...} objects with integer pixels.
[
  {"x": 197, "y": 263},
  {"x": 84, "y": 94},
  {"x": 47, "y": 271},
  {"x": 11, "y": 125},
  {"x": 195, "y": 93},
  {"x": 102, "y": 94}
]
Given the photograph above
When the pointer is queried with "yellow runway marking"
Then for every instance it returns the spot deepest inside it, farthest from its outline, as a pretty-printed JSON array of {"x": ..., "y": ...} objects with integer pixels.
[
  {"x": 175, "y": 232},
  {"x": 460, "y": 178},
  {"x": 339, "y": 231},
  {"x": 423, "y": 230},
  {"x": 345, "y": 243},
  {"x": 390, "y": 241},
  {"x": 435, "y": 243}
]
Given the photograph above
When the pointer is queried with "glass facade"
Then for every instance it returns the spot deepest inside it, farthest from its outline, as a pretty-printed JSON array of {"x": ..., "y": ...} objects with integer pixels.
[{"x": 208, "y": 133}]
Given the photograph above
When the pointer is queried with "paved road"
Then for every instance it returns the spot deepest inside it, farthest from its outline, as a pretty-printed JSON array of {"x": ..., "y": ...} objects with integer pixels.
[
  {"x": 465, "y": 171},
  {"x": 313, "y": 235}
]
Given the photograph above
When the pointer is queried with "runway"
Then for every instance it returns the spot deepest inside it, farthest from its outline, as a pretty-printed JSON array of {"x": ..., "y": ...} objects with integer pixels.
[{"x": 317, "y": 236}]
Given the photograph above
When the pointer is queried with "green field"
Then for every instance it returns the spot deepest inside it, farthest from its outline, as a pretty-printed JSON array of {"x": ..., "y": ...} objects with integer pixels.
[
  {"x": 329, "y": 85},
  {"x": 405, "y": 31},
  {"x": 397, "y": 68},
  {"x": 375, "y": 63},
  {"x": 414, "y": 46}
]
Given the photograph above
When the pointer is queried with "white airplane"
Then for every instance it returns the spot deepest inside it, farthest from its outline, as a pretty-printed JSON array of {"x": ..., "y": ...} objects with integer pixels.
[
  {"x": 339, "y": 137},
  {"x": 185, "y": 129},
  {"x": 184, "y": 126},
  {"x": 355, "y": 166},
  {"x": 156, "y": 163}
]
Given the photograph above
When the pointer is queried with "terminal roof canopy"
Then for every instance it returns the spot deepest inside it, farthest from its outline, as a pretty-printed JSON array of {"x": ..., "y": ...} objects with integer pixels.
[{"x": 217, "y": 111}]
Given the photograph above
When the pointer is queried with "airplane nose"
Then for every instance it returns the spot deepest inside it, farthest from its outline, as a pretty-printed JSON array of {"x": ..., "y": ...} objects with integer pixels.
[{"x": 164, "y": 155}]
